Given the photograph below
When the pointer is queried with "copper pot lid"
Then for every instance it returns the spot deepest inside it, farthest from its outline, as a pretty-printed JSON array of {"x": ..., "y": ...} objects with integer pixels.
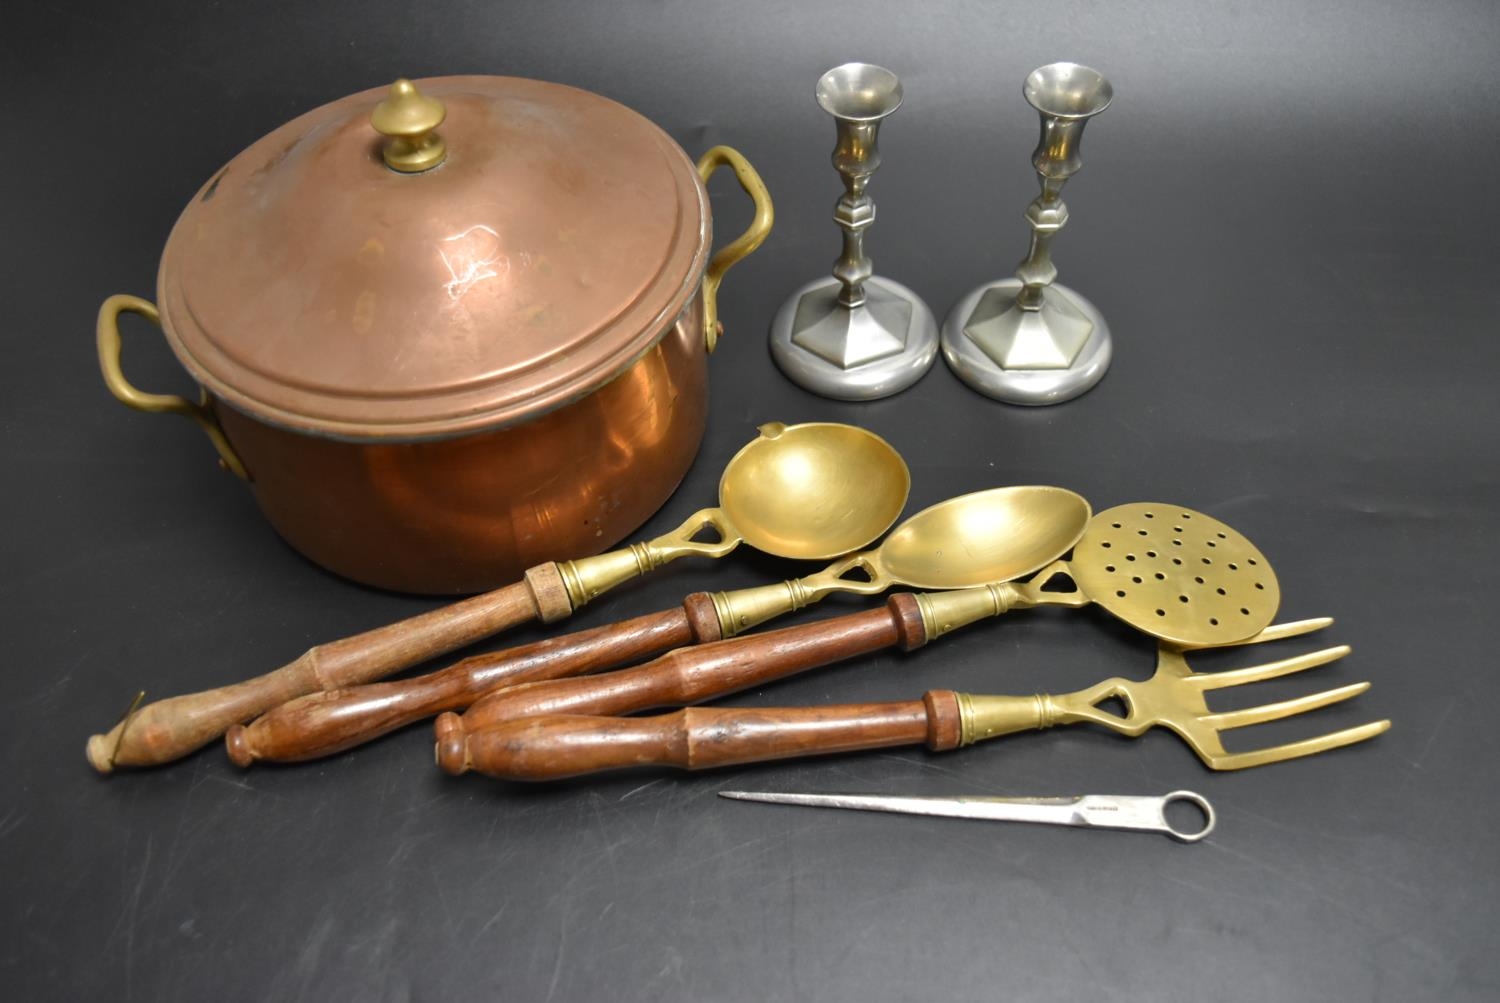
[{"x": 525, "y": 243}]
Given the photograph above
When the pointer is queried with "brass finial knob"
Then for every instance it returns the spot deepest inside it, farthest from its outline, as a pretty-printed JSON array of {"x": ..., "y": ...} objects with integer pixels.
[{"x": 407, "y": 117}]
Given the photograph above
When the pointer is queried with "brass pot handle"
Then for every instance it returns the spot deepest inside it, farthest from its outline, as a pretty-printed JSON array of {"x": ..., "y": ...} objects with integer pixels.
[
  {"x": 754, "y": 235},
  {"x": 114, "y": 378}
]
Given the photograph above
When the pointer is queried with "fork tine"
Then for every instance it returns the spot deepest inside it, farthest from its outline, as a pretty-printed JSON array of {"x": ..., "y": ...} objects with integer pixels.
[
  {"x": 1255, "y": 673},
  {"x": 1296, "y": 750},
  {"x": 1275, "y": 632},
  {"x": 1286, "y": 708}
]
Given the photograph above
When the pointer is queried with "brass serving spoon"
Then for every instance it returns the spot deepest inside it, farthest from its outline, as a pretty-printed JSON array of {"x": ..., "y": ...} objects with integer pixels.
[
  {"x": 809, "y": 491},
  {"x": 1011, "y": 532}
]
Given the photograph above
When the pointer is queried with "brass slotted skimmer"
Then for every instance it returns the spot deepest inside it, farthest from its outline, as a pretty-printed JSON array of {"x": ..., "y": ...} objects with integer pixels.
[{"x": 1178, "y": 575}]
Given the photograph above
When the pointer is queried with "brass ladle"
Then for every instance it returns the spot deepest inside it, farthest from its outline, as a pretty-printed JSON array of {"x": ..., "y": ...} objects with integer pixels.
[{"x": 809, "y": 492}]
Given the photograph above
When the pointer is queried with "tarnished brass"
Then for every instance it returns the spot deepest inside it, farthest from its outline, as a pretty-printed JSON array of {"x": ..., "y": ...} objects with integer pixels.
[
  {"x": 975, "y": 539},
  {"x": 1178, "y": 574},
  {"x": 407, "y": 118},
  {"x": 1174, "y": 698},
  {"x": 108, "y": 341},
  {"x": 808, "y": 491},
  {"x": 753, "y": 237}
]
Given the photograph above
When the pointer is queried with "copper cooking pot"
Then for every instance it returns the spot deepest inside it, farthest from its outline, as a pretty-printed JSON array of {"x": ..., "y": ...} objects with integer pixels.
[{"x": 449, "y": 331}]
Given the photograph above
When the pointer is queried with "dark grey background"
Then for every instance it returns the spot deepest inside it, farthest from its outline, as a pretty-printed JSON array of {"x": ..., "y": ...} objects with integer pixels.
[{"x": 1288, "y": 217}]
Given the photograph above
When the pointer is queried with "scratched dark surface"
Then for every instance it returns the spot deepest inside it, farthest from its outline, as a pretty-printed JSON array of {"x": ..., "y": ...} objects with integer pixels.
[{"x": 1288, "y": 216}]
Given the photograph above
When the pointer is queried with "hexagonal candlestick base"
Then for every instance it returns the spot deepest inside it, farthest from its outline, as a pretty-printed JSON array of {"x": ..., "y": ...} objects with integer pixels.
[
  {"x": 871, "y": 351},
  {"x": 1049, "y": 338},
  {"x": 1026, "y": 357}
]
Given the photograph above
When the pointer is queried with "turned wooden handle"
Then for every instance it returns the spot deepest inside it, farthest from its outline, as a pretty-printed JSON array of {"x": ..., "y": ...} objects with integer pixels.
[
  {"x": 169, "y": 729},
  {"x": 321, "y": 724},
  {"x": 696, "y": 674},
  {"x": 696, "y": 738}
]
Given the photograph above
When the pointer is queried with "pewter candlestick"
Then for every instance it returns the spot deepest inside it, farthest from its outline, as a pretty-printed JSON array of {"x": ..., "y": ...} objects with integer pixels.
[
  {"x": 856, "y": 336},
  {"x": 1028, "y": 340}
]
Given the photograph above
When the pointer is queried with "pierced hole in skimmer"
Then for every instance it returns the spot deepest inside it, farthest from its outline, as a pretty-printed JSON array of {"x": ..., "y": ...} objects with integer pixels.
[
  {"x": 1177, "y": 560},
  {"x": 1182, "y": 599},
  {"x": 1150, "y": 553},
  {"x": 1187, "y": 515},
  {"x": 1221, "y": 592},
  {"x": 1142, "y": 532},
  {"x": 1110, "y": 568},
  {"x": 1233, "y": 566},
  {"x": 1260, "y": 586},
  {"x": 1105, "y": 544},
  {"x": 1120, "y": 593},
  {"x": 1222, "y": 536},
  {"x": 1150, "y": 515},
  {"x": 1198, "y": 579},
  {"x": 1160, "y": 577},
  {"x": 1161, "y": 612},
  {"x": 1212, "y": 543},
  {"x": 1129, "y": 557},
  {"x": 1136, "y": 579},
  {"x": 1115, "y": 525},
  {"x": 1213, "y": 621},
  {"x": 1250, "y": 561},
  {"x": 1244, "y": 611},
  {"x": 1176, "y": 543}
]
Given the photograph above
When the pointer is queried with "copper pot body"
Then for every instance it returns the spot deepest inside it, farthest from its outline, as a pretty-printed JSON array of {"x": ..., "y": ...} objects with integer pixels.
[{"x": 469, "y": 513}]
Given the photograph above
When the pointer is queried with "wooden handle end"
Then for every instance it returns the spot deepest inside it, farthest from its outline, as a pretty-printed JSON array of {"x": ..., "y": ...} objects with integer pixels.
[
  {"x": 100, "y": 749},
  {"x": 450, "y": 750},
  {"x": 237, "y": 744}
]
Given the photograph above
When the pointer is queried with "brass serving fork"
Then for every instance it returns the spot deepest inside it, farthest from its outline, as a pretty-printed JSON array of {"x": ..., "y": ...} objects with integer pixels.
[
  {"x": 552, "y": 747},
  {"x": 1174, "y": 698}
]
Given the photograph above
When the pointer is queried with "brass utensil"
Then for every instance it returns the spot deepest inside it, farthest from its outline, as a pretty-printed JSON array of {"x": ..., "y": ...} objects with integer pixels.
[
  {"x": 986, "y": 536},
  {"x": 1014, "y": 531},
  {"x": 1169, "y": 588},
  {"x": 550, "y": 748},
  {"x": 1089, "y": 811},
  {"x": 808, "y": 491},
  {"x": 1176, "y": 574}
]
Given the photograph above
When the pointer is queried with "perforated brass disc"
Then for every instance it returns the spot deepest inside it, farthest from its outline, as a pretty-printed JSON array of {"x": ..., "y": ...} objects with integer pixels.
[{"x": 1177, "y": 574}]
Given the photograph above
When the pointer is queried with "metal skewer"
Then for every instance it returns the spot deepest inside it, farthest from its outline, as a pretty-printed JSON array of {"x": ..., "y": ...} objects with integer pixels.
[{"x": 1090, "y": 811}]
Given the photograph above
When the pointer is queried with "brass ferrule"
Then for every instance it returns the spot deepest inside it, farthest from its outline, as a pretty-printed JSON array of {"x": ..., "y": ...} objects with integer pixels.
[
  {"x": 745, "y": 608},
  {"x": 982, "y": 717},
  {"x": 945, "y": 612},
  {"x": 591, "y": 577}
]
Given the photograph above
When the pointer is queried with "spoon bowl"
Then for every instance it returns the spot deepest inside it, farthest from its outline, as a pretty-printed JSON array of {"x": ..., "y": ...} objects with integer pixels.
[
  {"x": 988, "y": 536},
  {"x": 813, "y": 491},
  {"x": 974, "y": 539}
]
